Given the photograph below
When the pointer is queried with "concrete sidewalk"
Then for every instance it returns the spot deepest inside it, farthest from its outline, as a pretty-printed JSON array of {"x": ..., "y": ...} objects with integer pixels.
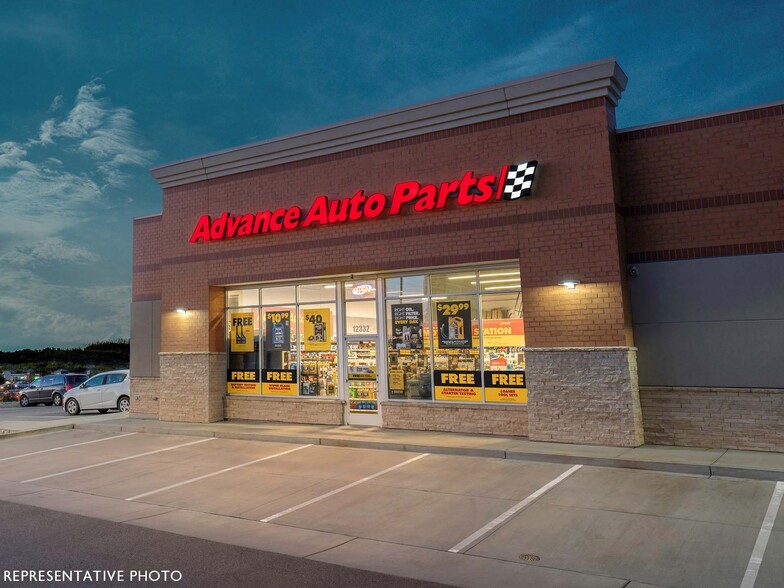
[
  {"x": 704, "y": 462},
  {"x": 15, "y": 421}
]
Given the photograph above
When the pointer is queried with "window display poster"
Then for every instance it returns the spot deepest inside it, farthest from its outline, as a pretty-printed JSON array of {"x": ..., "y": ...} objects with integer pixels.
[
  {"x": 242, "y": 381},
  {"x": 317, "y": 324},
  {"x": 458, "y": 386},
  {"x": 407, "y": 326},
  {"x": 241, "y": 335},
  {"x": 279, "y": 382},
  {"x": 506, "y": 386},
  {"x": 278, "y": 330},
  {"x": 502, "y": 332},
  {"x": 454, "y": 324},
  {"x": 397, "y": 380}
]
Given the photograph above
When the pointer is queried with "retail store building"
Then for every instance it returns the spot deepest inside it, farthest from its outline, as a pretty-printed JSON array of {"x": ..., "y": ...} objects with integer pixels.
[{"x": 502, "y": 261}]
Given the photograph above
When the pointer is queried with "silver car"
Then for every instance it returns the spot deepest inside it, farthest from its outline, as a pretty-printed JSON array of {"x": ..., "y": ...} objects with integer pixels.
[{"x": 103, "y": 392}]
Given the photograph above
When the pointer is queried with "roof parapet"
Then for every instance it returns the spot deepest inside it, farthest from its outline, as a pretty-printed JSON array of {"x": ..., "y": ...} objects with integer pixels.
[{"x": 603, "y": 78}]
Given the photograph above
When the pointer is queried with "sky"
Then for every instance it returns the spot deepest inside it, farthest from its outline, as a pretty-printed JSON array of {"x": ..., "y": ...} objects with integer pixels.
[{"x": 95, "y": 93}]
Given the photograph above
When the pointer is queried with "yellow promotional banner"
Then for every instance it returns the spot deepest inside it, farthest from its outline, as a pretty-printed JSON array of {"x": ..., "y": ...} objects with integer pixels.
[
  {"x": 242, "y": 382},
  {"x": 459, "y": 386},
  {"x": 506, "y": 387},
  {"x": 241, "y": 335},
  {"x": 317, "y": 325},
  {"x": 397, "y": 380},
  {"x": 279, "y": 382}
]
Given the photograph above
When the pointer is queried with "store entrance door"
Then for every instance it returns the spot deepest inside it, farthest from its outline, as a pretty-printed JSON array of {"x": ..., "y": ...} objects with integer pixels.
[{"x": 362, "y": 381}]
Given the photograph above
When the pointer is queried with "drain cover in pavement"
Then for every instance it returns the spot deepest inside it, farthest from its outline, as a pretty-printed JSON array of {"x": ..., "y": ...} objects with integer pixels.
[{"x": 528, "y": 557}]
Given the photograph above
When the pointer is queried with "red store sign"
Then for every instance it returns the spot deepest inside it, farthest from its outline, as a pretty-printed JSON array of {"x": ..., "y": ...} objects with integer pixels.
[{"x": 513, "y": 182}]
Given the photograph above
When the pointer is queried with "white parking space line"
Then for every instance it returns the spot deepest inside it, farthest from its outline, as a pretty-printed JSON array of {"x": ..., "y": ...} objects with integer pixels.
[
  {"x": 103, "y": 463},
  {"x": 341, "y": 489},
  {"x": 750, "y": 577},
  {"x": 223, "y": 471},
  {"x": 502, "y": 518},
  {"x": 65, "y": 447}
]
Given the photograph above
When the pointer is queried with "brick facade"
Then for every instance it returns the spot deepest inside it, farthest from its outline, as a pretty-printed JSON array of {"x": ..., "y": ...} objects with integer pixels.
[
  {"x": 146, "y": 258},
  {"x": 313, "y": 411},
  {"x": 145, "y": 396},
  {"x": 602, "y": 199},
  {"x": 580, "y": 395},
  {"x": 457, "y": 418},
  {"x": 192, "y": 386},
  {"x": 576, "y": 188},
  {"x": 728, "y": 418},
  {"x": 704, "y": 188}
]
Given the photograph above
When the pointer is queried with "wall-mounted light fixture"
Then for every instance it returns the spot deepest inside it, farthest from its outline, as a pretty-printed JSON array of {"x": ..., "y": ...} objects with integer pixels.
[
  {"x": 181, "y": 310},
  {"x": 570, "y": 284}
]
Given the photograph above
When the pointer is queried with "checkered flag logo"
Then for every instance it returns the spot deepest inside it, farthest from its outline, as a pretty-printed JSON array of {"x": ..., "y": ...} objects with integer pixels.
[{"x": 518, "y": 180}]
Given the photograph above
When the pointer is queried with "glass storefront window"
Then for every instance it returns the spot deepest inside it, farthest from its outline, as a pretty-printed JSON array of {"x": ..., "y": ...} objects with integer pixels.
[
  {"x": 408, "y": 348},
  {"x": 325, "y": 292},
  {"x": 279, "y": 350},
  {"x": 467, "y": 365},
  {"x": 406, "y": 286},
  {"x": 454, "y": 336},
  {"x": 318, "y": 350},
  {"x": 279, "y": 295},
  {"x": 453, "y": 283},
  {"x": 503, "y": 332},
  {"x": 242, "y": 326},
  {"x": 361, "y": 317},
  {"x": 360, "y": 290},
  {"x": 279, "y": 341},
  {"x": 503, "y": 336},
  {"x": 457, "y": 374},
  {"x": 246, "y": 297},
  {"x": 494, "y": 280}
]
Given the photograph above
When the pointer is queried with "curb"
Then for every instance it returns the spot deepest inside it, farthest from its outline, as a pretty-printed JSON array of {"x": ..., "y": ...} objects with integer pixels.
[
  {"x": 37, "y": 431},
  {"x": 656, "y": 466}
]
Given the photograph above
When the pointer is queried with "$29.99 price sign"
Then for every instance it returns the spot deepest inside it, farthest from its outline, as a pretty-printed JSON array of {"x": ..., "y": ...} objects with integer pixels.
[{"x": 454, "y": 324}]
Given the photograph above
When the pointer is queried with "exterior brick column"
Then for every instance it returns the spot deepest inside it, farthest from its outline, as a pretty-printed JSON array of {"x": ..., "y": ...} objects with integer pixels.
[
  {"x": 193, "y": 386},
  {"x": 584, "y": 395}
]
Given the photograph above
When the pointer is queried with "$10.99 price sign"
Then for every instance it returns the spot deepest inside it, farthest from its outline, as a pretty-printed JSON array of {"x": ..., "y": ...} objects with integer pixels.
[{"x": 278, "y": 329}]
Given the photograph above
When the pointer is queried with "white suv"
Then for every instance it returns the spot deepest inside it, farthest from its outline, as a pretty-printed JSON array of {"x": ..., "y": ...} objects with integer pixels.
[{"x": 102, "y": 392}]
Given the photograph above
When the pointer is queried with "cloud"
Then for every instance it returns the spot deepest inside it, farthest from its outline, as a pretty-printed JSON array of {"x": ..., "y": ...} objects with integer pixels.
[
  {"x": 114, "y": 145},
  {"x": 103, "y": 314},
  {"x": 105, "y": 135},
  {"x": 11, "y": 154},
  {"x": 57, "y": 103},
  {"x": 51, "y": 185},
  {"x": 42, "y": 199},
  {"x": 54, "y": 249},
  {"x": 38, "y": 189},
  {"x": 87, "y": 114}
]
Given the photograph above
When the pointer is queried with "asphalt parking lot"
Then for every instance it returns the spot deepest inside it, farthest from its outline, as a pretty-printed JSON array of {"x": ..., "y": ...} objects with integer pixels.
[
  {"x": 466, "y": 521},
  {"x": 33, "y": 418}
]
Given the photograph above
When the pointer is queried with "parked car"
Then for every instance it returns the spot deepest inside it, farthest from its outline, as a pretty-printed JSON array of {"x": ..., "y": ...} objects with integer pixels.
[
  {"x": 103, "y": 392},
  {"x": 50, "y": 389},
  {"x": 7, "y": 393},
  {"x": 21, "y": 384}
]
